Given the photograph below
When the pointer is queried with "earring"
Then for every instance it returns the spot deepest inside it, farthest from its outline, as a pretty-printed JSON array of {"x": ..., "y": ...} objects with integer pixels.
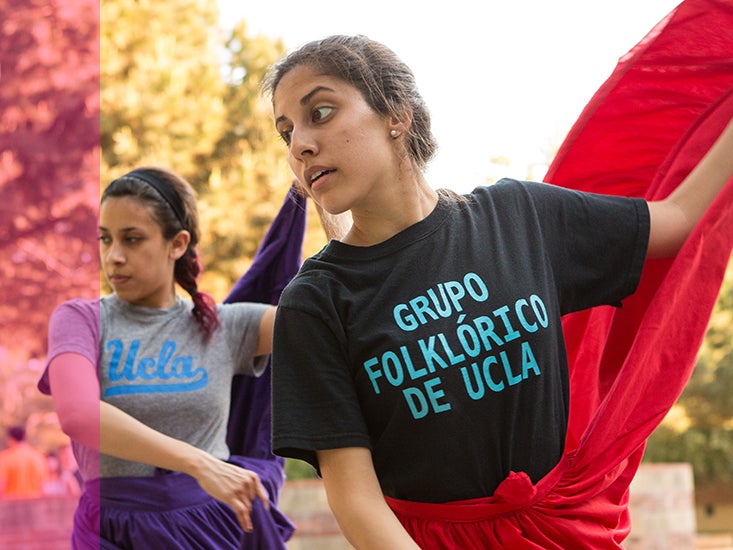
[{"x": 394, "y": 133}]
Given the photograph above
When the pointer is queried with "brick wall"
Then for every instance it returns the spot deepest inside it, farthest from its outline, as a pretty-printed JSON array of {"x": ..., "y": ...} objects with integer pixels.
[
  {"x": 662, "y": 507},
  {"x": 45, "y": 524},
  {"x": 304, "y": 502},
  {"x": 36, "y": 524},
  {"x": 662, "y": 513}
]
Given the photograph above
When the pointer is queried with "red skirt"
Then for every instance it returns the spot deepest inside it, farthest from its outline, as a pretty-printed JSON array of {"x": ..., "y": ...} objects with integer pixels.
[{"x": 520, "y": 515}]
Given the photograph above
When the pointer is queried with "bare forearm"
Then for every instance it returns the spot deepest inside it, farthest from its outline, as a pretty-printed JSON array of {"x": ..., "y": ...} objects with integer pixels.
[
  {"x": 125, "y": 437},
  {"x": 357, "y": 502},
  {"x": 102, "y": 426},
  {"x": 369, "y": 524},
  {"x": 673, "y": 218},
  {"x": 706, "y": 180}
]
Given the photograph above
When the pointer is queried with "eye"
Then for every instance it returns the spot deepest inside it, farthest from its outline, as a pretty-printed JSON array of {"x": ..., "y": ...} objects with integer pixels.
[
  {"x": 286, "y": 136},
  {"x": 105, "y": 239},
  {"x": 321, "y": 113},
  {"x": 132, "y": 239}
]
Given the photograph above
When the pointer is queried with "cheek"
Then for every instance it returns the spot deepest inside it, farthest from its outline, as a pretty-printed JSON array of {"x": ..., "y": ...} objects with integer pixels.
[
  {"x": 302, "y": 188},
  {"x": 292, "y": 162},
  {"x": 365, "y": 140}
]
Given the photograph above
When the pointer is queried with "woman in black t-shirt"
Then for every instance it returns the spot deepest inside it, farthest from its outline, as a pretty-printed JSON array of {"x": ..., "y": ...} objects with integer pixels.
[{"x": 436, "y": 318}]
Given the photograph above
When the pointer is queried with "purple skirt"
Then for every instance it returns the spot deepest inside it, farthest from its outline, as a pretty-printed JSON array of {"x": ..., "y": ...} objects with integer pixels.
[{"x": 171, "y": 511}]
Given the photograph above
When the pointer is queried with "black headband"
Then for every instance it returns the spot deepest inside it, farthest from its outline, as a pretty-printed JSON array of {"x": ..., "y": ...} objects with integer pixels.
[{"x": 164, "y": 190}]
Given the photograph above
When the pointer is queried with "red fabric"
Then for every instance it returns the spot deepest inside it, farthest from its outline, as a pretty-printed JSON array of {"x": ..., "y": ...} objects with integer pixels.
[{"x": 641, "y": 133}]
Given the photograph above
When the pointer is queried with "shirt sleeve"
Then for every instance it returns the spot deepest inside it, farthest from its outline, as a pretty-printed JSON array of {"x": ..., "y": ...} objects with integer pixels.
[
  {"x": 596, "y": 244},
  {"x": 315, "y": 405},
  {"x": 607, "y": 237},
  {"x": 241, "y": 323},
  {"x": 73, "y": 328}
]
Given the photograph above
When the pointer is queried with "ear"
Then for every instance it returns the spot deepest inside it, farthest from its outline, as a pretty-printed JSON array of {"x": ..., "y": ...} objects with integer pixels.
[
  {"x": 179, "y": 244},
  {"x": 399, "y": 124}
]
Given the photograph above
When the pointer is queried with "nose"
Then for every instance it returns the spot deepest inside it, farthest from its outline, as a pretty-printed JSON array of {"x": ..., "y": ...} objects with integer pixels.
[
  {"x": 114, "y": 254},
  {"x": 303, "y": 143}
]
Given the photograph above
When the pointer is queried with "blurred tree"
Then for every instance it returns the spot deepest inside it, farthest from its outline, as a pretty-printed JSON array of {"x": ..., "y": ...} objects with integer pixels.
[
  {"x": 178, "y": 91},
  {"x": 49, "y": 163},
  {"x": 699, "y": 430},
  {"x": 160, "y": 84},
  {"x": 174, "y": 90},
  {"x": 248, "y": 176}
]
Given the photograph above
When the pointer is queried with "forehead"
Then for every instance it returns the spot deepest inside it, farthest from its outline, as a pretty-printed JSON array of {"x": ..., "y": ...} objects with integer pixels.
[
  {"x": 296, "y": 85},
  {"x": 126, "y": 211}
]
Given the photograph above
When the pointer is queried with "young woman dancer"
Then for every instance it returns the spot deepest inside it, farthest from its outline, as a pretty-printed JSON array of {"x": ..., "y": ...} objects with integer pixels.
[
  {"x": 419, "y": 361},
  {"x": 141, "y": 381}
]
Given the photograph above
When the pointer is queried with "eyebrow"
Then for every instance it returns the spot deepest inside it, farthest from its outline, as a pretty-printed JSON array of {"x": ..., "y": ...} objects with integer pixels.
[
  {"x": 306, "y": 98},
  {"x": 124, "y": 229}
]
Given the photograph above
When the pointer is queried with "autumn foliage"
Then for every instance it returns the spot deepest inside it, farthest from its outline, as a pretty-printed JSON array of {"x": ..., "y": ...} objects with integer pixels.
[{"x": 49, "y": 162}]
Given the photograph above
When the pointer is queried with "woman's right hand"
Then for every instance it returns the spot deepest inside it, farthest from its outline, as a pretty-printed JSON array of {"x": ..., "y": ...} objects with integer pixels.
[
  {"x": 100, "y": 425},
  {"x": 232, "y": 485}
]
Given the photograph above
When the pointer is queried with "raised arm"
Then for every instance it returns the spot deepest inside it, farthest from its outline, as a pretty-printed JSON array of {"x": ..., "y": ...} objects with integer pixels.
[
  {"x": 356, "y": 499},
  {"x": 99, "y": 425},
  {"x": 673, "y": 218}
]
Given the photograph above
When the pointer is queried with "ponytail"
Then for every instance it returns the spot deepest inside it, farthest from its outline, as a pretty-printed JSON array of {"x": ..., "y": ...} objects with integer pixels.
[{"x": 185, "y": 272}]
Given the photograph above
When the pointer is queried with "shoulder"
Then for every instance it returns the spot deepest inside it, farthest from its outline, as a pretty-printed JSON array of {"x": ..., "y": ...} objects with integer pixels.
[
  {"x": 238, "y": 312},
  {"x": 506, "y": 198},
  {"x": 237, "y": 308},
  {"x": 524, "y": 189},
  {"x": 316, "y": 279},
  {"x": 80, "y": 304},
  {"x": 505, "y": 190},
  {"x": 77, "y": 308},
  {"x": 542, "y": 197}
]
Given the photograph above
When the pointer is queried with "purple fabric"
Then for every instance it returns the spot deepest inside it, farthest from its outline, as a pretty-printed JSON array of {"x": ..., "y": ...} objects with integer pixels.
[
  {"x": 275, "y": 264},
  {"x": 85, "y": 535},
  {"x": 171, "y": 511}
]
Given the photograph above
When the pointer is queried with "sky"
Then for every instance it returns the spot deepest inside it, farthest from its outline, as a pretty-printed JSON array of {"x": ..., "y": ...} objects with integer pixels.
[{"x": 502, "y": 79}]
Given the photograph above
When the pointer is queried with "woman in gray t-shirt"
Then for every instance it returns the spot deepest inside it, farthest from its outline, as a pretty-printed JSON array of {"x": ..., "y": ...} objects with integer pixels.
[{"x": 141, "y": 382}]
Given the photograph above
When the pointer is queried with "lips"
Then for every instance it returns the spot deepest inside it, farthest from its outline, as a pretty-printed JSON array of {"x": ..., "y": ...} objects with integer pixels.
[
  {"x": 118, "y": 279},
  {"x": 315, "y": 173}
]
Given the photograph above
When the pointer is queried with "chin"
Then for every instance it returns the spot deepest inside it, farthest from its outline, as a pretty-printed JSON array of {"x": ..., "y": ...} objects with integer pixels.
[
  {"x": 123, "y": 296},
  {"x": 127, "y": 296},
  {"x": 332, "y": 207}
]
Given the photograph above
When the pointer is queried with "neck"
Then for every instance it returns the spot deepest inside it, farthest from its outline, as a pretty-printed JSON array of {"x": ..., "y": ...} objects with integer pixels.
[
  {"x": 159, "y": 301},
  {"x": 405, "y": 206}
]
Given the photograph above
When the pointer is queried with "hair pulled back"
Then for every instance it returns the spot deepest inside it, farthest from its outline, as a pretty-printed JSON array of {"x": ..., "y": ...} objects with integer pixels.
[
  {"x": 386, "y": 83},
  {"x": 188, "y": 267}
]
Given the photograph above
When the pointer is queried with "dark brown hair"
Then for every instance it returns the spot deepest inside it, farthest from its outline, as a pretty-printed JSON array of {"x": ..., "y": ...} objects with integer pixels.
[
  {"x": 386, "y": 83},
  {"x": 188, "y": 267},
  {"x": 16, "y": 432}
]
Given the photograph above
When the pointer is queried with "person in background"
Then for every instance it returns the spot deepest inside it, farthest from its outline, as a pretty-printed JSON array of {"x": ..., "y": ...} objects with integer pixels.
[
  {"x": 69, "y": 465},
  {"x": 419, "y": 361},
  {"x": 60, "y": 482},
  {"x": 22, "y": 467},
  {"x": 153, "y": 455}
]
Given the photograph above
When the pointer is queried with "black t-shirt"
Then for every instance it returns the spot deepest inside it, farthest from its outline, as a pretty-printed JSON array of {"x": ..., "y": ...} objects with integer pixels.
[{"x": 441, "y": 349}]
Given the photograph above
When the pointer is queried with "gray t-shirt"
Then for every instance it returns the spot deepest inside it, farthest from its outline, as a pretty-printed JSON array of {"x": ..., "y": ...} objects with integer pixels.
[{"x": 155, "y": 365}]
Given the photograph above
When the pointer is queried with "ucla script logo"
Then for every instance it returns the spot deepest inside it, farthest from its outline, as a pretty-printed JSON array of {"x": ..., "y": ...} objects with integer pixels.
[{"x": 167, "y": 373}]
